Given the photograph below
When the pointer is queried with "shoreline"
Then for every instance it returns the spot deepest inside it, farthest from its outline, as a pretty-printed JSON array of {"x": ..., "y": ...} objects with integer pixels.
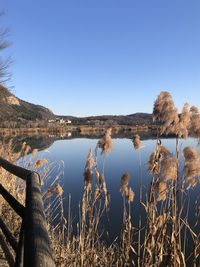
[{"x": 78, "y": 129}]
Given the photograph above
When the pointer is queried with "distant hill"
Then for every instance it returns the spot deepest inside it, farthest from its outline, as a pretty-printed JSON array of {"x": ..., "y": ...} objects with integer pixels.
[
  {"x": 15, "y": 109},
  {"x": 132, "y": 119}
]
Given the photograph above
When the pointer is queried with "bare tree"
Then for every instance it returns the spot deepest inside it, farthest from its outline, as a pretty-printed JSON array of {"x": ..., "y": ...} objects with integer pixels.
[{"x": 4, "y": 62}]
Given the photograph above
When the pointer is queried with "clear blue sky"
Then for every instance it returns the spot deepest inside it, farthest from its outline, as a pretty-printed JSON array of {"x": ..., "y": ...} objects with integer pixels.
[{"x": 89, "y": 57}]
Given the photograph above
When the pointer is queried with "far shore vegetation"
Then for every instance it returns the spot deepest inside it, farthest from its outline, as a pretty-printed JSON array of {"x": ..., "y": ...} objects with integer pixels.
[
  {"x": 78, "y": 129},
  {"x": 161, "y": 239}
]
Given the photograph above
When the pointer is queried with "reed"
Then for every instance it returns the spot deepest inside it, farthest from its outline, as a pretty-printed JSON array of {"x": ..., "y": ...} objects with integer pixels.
[
  {"x": 126, "y": 249},
  {"x": 14, "y": 187},
  {"x": 161, "y": 238},
  {"x": 136, "y": 141}
]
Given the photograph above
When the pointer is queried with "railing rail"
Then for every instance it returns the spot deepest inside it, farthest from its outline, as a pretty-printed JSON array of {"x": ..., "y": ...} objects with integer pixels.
[{"x": 33, "y": 248}]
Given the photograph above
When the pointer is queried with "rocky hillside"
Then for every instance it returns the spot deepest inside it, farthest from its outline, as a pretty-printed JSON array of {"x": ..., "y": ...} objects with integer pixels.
[{"x": 15, "y": 109}]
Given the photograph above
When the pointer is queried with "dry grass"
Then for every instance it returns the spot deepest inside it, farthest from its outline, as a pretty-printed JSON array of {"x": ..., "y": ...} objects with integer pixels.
[
  {"x": 136, "y": 141},
  {"x": 12, "y": 185},
  {"x": 159, "y": 240},
  {"x": 106, "y": 142}
]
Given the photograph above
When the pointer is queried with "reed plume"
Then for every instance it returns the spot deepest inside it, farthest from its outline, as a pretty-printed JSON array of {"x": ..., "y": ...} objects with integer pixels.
[
  {"x": 126, "y": 190},
  {"x": 191, "y": 166},
  {"x": 168, "y": 169},
  {"x": 183, "y": 125},
  {"x": 126, "y": 234},
  {"x": 163, "y": 152},
  {"x": 160, "y": 153},
  {"x": 39, "y": 163},
  {"x": 131, "y": 195},
  {"x": 194, "y": 110},
  {"x": 153, "y": 163},
  {"x": 136, "y": 141},
  {"x": 185, "y": 115},
  {"x": 105, "y": 191},
  {"x": 165, "y": 112},
  {"x": 88, "y": 169},
  {"x": 106, "y": 142},
  {"x": 124, "y": 184},
  {"x": 161, "y": 188},
  {"x": 58, "y": 190},
  {"x": 159, "y": 232},
  {"x": 195, "y": 122},
  {"x": 190, "y": 154},
  {"x": 90, "y": 161},
  {"x": 165, "y": 167}
]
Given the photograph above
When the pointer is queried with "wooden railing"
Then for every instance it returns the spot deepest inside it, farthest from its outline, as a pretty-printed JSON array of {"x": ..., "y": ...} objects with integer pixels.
[{"x": 33, "y": 247}]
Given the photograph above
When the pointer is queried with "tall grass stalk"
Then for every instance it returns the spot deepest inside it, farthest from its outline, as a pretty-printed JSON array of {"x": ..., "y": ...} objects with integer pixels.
[{"x": 161, "y": 237}]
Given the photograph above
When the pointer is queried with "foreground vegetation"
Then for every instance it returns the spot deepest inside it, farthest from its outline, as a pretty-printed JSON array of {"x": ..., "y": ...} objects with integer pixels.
[{"x": 166, "y": 237}]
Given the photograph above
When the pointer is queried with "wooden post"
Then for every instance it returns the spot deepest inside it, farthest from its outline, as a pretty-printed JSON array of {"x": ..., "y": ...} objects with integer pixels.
[
  {"x": 34, "y": 241},
  {"x": 37, "y": 249},
  {"x": 20, "y": 249}
]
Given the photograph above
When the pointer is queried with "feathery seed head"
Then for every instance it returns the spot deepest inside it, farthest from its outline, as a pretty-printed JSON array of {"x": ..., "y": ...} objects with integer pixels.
[
  {"x": 194, "y": 110},
  {"x": 136, "y": 141},
  {"x": 195, "y": 122},
  {"x": 156, "y": 157},
  {"x": 131, "y": 195},
  {"x": 185, "y": 115},
  {"x": 161, "y": 188},
  {"x": 153, "y": 163},
  {"x": 191, "y": 166},
  {"x": 124, "y": 184},
  {"x": 90, "y": 161},
  {"x": 168, "y": 169},
  {"x": 164, "y": 111},
  {"x": 190, "y": 153},
  {"x": 39, "y": 163},
  {"x": 58, "y": 190},
  {"x": 87, "y": 177},
  {"x": 106, "y": 142}
]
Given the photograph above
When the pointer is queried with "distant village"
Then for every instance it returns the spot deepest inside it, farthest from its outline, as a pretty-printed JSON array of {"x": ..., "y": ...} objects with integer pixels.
[
  {"x": 93, "y": 122},
  {"x": 60, "y": 120}
]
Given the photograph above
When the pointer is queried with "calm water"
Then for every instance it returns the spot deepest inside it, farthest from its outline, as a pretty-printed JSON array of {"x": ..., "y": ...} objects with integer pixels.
[{"x": 122, "y": 158}]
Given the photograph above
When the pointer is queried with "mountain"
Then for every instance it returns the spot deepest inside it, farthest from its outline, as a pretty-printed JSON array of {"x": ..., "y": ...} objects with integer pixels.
[
  {"x": 132, "y": 119},
  {"x": 14, "y": 109}
]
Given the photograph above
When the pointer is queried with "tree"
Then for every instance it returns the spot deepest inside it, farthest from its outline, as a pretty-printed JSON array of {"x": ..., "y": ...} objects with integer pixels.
[{"x": 4, "y": 62}]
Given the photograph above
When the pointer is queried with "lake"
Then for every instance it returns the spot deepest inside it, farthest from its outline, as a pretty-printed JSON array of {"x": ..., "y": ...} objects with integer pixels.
[{"x": 67, "y": 157}]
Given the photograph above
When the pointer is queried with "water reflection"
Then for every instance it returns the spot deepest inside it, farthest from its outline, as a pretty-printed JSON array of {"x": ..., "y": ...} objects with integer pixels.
[{"x": 122, "y": 158}]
